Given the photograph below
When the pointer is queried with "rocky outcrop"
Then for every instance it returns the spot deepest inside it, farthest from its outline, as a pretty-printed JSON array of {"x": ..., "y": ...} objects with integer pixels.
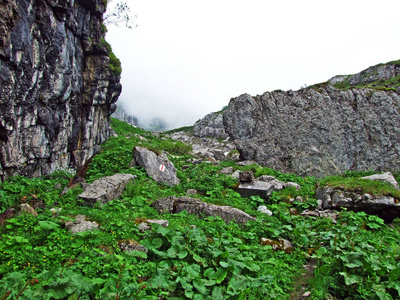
[
  {"x": 318, "y": 131},
  {"x": 385, "y": 206},
  {"x": 200, "y": 208},
  {"x": 210, "y": 126},
  {"x": 57, "y": 90},
  {"x": 122, "y": 115}
]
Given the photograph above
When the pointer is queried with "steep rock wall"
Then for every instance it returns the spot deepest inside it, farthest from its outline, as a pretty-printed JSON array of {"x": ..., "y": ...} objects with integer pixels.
[
  {"x": 318, "y": 131},
  {"x": 56, "y": 88},
  {"x": 210, "y": 126}
]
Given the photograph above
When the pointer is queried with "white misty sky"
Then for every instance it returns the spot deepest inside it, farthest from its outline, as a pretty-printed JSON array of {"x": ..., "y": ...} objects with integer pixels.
[{"x": 187, "y": 58}]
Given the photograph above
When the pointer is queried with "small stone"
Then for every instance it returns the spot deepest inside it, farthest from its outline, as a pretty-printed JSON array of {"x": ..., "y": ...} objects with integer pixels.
[
  {"x": 265, "y": 210},
  {"x": 191, "y": 192},
  {"x": 306, "y": 295},
  {"x": 26, "y": 208}
]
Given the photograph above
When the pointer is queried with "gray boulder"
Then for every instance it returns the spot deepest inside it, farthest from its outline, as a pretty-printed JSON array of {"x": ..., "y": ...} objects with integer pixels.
[
  {"x": 158, "y": 167},
  {"x": 317, "y": 131},
  {"x": 200, "y": 208},
  {"x": 210, "y": 126},
  {"x": 386, "y": 177},
  {"x": 80, "y": 224},
  {"x": 386, "y": 207},
  {"x": 105, "y": 189}
]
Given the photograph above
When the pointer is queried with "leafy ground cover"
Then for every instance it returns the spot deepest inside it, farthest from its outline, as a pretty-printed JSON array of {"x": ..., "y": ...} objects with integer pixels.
[{"x": 192, "y": 258}]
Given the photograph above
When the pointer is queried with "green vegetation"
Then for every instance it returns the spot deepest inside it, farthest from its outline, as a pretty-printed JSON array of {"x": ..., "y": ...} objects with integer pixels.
[
  {"x": 192, "y": 258},
  {"x": 115, "y": 63}
]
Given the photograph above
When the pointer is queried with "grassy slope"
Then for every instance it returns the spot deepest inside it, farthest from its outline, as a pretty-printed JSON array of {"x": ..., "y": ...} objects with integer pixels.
[{"x": 358, "y": 258}]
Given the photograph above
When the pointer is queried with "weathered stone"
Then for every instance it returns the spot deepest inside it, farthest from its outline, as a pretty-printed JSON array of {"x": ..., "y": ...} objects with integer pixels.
[
  {"x": 26, "y": 208},
  {"x": 200, "y": 208},
  {"x": 146, "y": 225},
  {"x": 262, "y": 188},
  {"x": 131, "y": 245},
  {"x": 386, "y": 177},
  {"x": 265, "y": 210},
  {"x": 191, "y": 192},
  {"x": 280, "y": 245},
  {"x": 80, "y": 224},
  {"x": 210, "y": 126},
  {"x": 56, "y": 88},
  {"x": 335, "y": 198},
  {"x": 318, "y": 131},
  {"x": 158, "y": 167},
  {"x": 246, "y": 177},
  {"x": 227, "y": 170},
  {"x": 219, "y": 154},
  {"x": 105, "y": 189}
]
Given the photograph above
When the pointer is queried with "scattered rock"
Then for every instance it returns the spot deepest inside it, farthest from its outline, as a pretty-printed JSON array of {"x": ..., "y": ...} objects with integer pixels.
[
  {"x": 191, "y": 192},
  {"x": 235, "y": 174},
  {"x": 257, "y": 188},
  {"x": 146, "y": 225},
  {"x": 227, "y": 170},
  {"x": 386, "y": 207},
  {"x": 280, "y": 245},
  {"x": 387, "y": 177},
  {"x": 326, "y": 213},
  {"x": 306, "y": 295},
  {"x": 131, "y": 245},
  {"x": 80, "y": 224},
  {"x": 200, "y": 208},
  {"x": 246, "y": 177},
  {"x": 265, "y": 210},
  {"x": 26, "y": 208},
  {"x": 105, "y": 189},
  {"x": 158, "y": 167}
]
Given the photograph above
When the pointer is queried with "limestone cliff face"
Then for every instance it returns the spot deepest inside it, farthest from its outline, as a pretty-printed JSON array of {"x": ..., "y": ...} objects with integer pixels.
[
  {"x": 322, "y": 130},
  {"x": 56, "y": 88},
  {"x": 210, "y": 126}
]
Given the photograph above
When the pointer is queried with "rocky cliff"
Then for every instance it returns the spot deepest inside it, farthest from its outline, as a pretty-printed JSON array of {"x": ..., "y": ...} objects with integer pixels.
[
  {"x": 210, "y": 126},
  {"x": 57, "y": 84},
  {"x": 348, "y": 123}
]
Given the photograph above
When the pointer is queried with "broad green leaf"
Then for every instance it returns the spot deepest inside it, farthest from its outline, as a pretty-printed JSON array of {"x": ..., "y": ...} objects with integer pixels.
[
  {"x": 48, "y": 225},
  {"x": 187, "y": 286},
  {"x": 140, "y": 254},
  {"x": 182, "y": 253},
  {"x": 218, "y": 293},
  {"x": 200, "y": 286},
  {"x": 354, "y": 264},
  {"x": 220, "y": 275},
  {"x": 350, "y": 279},
  {"x": 224, "y": 264},
  {"x": 210, "y": 273},
  {"x": 193, "y": 271}
]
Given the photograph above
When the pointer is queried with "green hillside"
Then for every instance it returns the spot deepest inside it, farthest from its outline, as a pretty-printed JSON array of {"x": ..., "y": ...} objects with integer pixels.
[{"x": 192, "y": 258}]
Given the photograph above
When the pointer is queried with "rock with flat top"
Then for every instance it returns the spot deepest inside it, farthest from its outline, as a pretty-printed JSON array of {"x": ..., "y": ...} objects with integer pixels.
[
  {"x": 105, "y": 189},
  {"x": 200, "y": 208}
]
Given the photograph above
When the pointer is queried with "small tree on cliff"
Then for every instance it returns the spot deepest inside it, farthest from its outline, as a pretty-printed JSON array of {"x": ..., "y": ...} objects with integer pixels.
[{"x": 117, "y": 14}]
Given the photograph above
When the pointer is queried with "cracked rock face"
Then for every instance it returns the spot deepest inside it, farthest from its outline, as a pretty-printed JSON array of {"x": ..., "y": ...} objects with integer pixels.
[
  {"x": 56, "y": 89},
  {"x": 318, "y": 132}
]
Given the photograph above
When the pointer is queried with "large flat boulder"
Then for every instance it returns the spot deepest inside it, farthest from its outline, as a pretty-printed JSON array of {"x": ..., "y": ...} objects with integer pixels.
[
  {"x": 384, "y": 206},
  {"x": 158, "y": 167},
  {"x": 105, "y": 189},
  {"x": 200, "y": 208}
]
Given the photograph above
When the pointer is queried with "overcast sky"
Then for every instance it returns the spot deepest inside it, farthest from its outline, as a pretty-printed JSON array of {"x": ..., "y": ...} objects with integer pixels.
[{"x": 187, "y": 58}]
